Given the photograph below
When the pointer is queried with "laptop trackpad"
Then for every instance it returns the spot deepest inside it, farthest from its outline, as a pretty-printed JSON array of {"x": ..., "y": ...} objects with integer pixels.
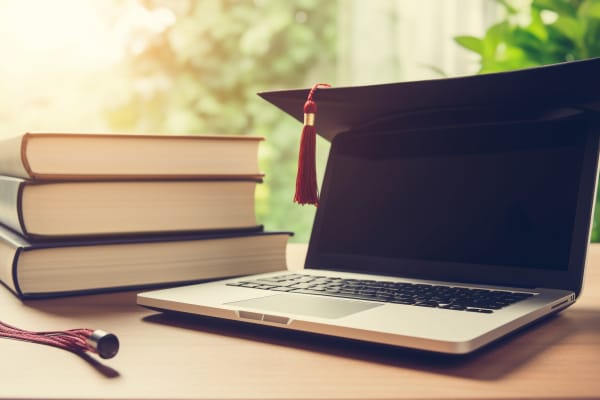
[{"x": 314, "y": 306}]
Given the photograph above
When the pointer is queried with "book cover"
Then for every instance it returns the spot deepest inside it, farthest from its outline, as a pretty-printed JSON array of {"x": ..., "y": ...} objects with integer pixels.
[
  {"x": 59, "y": 267},
  {"x": 68, "y": 156},
  {"x": 47, "y": 209}
]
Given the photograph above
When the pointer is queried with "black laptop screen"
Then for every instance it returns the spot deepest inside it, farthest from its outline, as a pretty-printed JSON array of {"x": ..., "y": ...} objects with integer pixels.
[{"x": 488, "y": 195}]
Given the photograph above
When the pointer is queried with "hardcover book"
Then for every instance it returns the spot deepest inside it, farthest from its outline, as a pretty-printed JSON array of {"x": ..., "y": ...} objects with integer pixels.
[
  {"x": 64, "y": 156},
  {"x": 49, "y": 209},
  {"x": 54, "y": 268}
]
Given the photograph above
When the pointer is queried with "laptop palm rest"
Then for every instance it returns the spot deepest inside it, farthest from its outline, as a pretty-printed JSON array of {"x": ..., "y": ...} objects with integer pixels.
[{"x": 306, "y": 305}]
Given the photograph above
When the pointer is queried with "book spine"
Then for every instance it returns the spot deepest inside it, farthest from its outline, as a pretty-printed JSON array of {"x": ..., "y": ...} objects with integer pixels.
[
  {"x": 11, "y": 214},
  {"x": 13, "y": 157},
  {"x": 9, "y": 257}
]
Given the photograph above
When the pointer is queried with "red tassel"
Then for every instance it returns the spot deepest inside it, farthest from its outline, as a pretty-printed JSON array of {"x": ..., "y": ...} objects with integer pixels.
[
  {"x": 106, "y": 345},
  {"x": 307, "y": 191}
]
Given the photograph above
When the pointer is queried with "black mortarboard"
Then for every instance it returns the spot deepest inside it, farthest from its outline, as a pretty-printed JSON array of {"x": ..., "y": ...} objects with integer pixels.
[{"x": 487, "y": 98}]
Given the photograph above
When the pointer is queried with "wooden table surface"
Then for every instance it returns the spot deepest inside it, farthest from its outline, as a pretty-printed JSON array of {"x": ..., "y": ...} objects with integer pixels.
[{"x": 173, "y": 357}]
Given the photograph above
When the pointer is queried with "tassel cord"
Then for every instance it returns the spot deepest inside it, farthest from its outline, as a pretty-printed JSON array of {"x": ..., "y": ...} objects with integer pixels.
[
  {"x": 307, "y": 191},
  {"x": 73, "y": 340}
]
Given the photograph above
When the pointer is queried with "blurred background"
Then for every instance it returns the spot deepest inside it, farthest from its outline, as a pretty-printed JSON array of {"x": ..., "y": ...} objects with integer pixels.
[{"x": 194, "y": 67}]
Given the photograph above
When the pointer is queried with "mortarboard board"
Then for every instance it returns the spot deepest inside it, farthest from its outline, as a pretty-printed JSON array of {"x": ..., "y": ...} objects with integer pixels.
[{"x": 487, "y": 98}]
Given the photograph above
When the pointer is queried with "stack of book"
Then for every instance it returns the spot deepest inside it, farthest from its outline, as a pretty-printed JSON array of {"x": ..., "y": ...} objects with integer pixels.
[{"x": 94, "y": 212}]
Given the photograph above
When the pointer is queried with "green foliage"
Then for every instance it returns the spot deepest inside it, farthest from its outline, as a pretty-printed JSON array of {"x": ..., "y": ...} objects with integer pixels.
[
  {"x": 556, "y": 31},
  {"x": 201, "y": 75}
]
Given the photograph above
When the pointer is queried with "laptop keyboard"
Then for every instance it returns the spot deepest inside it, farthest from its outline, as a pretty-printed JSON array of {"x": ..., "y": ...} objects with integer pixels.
[{"x": 421, "y": 295}]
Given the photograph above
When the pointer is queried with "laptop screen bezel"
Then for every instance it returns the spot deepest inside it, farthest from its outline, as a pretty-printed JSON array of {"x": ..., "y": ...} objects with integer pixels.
[{"x": 568, "y": 279}]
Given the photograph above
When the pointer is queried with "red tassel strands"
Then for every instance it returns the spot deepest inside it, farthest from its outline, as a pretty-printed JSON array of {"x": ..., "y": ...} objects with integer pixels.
[
  {"x": 106, "y": 345},
  {"x": 306, "y": 179}
]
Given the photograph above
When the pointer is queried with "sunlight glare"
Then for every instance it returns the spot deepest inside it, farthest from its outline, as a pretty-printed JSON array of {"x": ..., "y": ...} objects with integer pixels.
[
  {"x": 64, "y": 61},
  {"x": 33, "y": 29}
]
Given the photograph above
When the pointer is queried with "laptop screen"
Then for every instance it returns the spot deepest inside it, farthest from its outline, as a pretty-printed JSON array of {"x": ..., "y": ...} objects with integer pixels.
[{"x": 488, "y": 195}]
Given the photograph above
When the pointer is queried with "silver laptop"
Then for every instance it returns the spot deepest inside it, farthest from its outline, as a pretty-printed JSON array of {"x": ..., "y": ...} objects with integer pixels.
[{"x": 441, "y": 239}]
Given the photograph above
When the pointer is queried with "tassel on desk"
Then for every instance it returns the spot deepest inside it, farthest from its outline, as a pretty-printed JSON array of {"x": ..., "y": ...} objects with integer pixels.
[
  {"x": 307, "y": 191},
  {"x": 106, "y": 345}
]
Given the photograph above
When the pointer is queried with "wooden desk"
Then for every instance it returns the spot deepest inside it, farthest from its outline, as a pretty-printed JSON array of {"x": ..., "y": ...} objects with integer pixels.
[{"x": 166, "y": 357}]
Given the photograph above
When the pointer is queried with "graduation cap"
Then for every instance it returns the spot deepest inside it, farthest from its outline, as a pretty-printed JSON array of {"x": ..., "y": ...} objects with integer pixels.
[{"x": 489, "y": 98}]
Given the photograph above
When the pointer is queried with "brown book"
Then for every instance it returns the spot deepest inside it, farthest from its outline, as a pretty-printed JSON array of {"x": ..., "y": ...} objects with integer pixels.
[
  {"x": 49, "y": 209},
  {"x": 52, "y": 156},
  {"x": 53, "y": 268}
]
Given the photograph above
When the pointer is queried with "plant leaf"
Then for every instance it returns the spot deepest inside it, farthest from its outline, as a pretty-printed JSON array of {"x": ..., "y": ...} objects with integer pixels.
[
  {"x": 471, "y": 43},
  {"x": 561, "y": 7},
  {"x": 589, "y": 9},
  {"x": 537, "y": 26},
  {"x": 570, "y": 27},
  {"x": 494, "y": 36},
  {"x": 591, "y": 41}
]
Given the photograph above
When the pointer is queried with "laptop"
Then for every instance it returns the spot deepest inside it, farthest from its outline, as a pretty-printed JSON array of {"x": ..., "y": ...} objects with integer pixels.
[{"x": 441, "y": 227}]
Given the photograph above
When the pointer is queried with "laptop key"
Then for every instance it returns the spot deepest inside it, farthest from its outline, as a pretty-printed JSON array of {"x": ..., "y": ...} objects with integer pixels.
[
  {"x": 249, "y": 285},
  {"x": 275, "y": 279},
  {"x": 480, "y": 310},
  {"x": 301, "y": 286},
  {"x": 431, "y": 304},
  {"x": 456, "y": 307},
  {"x": 282, "y": 289},
  {"x": 407, "y": 302}
]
